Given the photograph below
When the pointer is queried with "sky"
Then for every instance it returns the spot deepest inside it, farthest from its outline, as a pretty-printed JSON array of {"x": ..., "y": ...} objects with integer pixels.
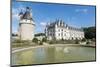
[{"x": 43, "y": 13}]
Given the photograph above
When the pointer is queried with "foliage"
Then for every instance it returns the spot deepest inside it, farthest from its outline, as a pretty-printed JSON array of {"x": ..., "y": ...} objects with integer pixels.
[
  {"x": 87, "y": 42},
  {"x": 35, "y": 40},
  {"x": 40, "y": 43},
  {"x": 40, "y": 34},
  {"x": 51, "y": 42},
  {"x": 25, "y": 44},
  {"x": 90, "y": 32},
  {"x": 93, "y": 40},
  {"x": 64, "y": 41},
  {"x": 76, "y": 41},
  {"x": 19, "y": 41},
  {"x": 84, "y": 39},
  {"x": 14, "y": 34},
  {"x": 44, "y": 39}
]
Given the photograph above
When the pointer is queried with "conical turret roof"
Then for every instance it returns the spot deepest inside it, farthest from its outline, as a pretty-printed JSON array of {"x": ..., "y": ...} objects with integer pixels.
[{"x": 27, "y": 14}]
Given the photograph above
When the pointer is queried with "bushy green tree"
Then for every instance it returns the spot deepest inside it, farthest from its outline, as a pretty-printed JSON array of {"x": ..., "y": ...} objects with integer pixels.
[
  {"x": 44, "y": 39},
  {"x": 90, "y": 32},
  {"x": 51, "y": 42},
  {"x": 40, "y": 43},
  {"x": 17, "y": 41},
  {"x": 35, "y": 40},
  {"x": 84, "y": 39},
  {"x": 76, "y": 41},
  {"x": 87, "y": 42}
]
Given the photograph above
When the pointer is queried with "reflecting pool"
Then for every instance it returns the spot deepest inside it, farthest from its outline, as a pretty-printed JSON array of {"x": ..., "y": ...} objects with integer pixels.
[{"x": 42, "y": 55}]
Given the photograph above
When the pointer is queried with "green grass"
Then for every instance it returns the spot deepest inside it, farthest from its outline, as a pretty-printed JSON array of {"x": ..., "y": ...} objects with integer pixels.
[
  {"x": 15, "y": 45},
  {"x": 63, "y": 42}
]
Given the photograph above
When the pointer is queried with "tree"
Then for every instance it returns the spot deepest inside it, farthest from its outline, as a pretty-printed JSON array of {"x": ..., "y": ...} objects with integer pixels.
[
  {"x": 84, "y": 39},
  {"x": 62, "y": 39},
  {"x": 44, "y": 39},
  {"x": 76, "y": 41},
  {"x": 35, "y": 40},
  {"x": 14, "y": 34},
  {"x": 90, "y": 32},
  {"x": 40, "y": 43},
  {"x": 40, "y": 34}
]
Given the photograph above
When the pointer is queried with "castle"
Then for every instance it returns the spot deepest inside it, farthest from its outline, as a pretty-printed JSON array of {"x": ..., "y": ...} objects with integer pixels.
[
  {"x": 26, "y": 25},
  {"x": 59, "y": 30},
  {"x": 54, "y": 30}
]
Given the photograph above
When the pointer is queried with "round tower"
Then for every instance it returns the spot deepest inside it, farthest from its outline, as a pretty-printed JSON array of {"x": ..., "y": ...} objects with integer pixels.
[{"x": 26, "y": 25}]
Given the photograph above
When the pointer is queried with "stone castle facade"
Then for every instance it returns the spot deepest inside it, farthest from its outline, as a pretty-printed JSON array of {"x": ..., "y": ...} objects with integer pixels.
[
  {"x": 55, "y": 30},
  {"x": 59, "y": 30}
]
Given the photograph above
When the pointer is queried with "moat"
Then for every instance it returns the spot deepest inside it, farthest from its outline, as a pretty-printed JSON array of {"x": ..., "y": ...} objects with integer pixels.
[{"x": 53, "y": 54}]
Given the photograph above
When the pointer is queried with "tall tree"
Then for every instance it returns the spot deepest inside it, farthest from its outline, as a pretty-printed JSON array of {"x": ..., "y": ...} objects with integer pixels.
[{"x": 90, "y": 32}]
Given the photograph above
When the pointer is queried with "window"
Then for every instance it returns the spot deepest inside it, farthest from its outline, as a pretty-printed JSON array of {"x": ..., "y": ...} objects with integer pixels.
[
  {"x": 59, "y": 30},
  {"x": 62, "y": 29},
  {"x": 65, "y": 35},
  {"x": 59, "y": 34}
]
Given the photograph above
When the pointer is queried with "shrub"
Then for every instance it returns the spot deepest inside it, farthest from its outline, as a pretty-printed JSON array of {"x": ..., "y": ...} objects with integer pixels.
[
  {"x": 87, "y": 42},
  {"x": 51, "y": 42},
  {"x": 62, "y": 39},
  {"x": 84, "y": 39},
  {"x": 40, "y": 43},
  {"x": 93, "y": 39},
  {"x": 19, "y": 41},
  {"x": 44, "y": 39},
  {"x": 35, "y": 40},
  {"x": 76, "y": 41}
]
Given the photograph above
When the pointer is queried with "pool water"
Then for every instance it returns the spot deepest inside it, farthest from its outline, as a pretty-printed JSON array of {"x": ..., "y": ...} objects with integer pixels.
[{"x": 43, "y": 55}]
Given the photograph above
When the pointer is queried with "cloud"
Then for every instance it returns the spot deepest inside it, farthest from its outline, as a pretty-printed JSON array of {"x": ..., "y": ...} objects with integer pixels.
[
  {"x": 85, "y": 10},
  {"x": 16, "y": 11},
  {"x": 43, "y": 24},
  {"x": 15, "y": 14},
  {"x": 81, "y": 10}
]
